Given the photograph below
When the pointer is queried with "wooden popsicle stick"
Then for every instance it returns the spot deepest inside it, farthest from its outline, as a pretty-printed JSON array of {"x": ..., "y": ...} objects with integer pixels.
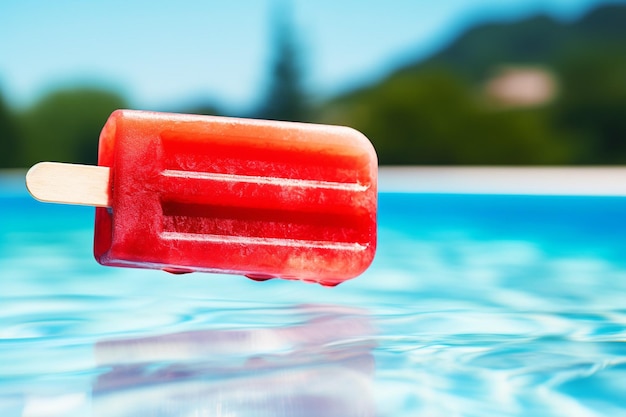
[{"x": 55, "y": 182}]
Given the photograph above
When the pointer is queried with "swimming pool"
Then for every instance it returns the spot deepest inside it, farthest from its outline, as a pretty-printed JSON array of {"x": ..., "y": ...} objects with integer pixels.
[{"x": 476, "y": 305}]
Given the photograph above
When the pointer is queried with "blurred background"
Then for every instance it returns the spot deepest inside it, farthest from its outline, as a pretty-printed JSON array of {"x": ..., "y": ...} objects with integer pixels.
[{"x": 508, "y": 82}]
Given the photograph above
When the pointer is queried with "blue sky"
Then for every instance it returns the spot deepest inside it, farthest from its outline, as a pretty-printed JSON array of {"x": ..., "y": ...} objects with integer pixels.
[{"x": 160, "y": 54}]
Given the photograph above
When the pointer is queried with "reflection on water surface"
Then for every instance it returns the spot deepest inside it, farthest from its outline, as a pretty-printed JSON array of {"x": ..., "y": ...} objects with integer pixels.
[{"x": 322, "y": 366}]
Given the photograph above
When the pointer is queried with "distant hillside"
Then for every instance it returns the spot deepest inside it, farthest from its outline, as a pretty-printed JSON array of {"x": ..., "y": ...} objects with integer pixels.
[
  {"x": 449, "y": 108},
  {"x": 539, "y": 40}
]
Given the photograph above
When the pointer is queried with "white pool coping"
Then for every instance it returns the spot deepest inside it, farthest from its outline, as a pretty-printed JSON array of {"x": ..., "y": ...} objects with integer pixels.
[{"x": 581, "y": 181}]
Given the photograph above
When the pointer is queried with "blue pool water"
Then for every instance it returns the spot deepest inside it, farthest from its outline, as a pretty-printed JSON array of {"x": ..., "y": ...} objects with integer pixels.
[{"x": 474, "y": 306}]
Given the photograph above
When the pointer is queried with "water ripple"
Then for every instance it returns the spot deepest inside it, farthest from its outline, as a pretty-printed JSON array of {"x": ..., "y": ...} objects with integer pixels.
[{"x": 464, "y": 313}]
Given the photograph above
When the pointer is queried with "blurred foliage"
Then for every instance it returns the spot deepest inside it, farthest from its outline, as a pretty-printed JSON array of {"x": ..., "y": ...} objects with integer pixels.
[
  {"x": 286, "y": 97},
  {"x": 432, "y": 116},
  {"x": 9, "y": 138},
  {"x": 65, "y": 125},
  {"x": 536, "y": 40},
  {"x": 433, "y": 111},
  {"x": 436, "y": 111},
  {"x": 592, "y": 103}
]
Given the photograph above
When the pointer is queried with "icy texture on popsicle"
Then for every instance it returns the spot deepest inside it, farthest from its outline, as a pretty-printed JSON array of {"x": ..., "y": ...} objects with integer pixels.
[{"x": 259, "y": 198}]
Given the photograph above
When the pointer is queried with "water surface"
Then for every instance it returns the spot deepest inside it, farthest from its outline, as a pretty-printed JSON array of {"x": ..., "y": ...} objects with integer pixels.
[{"x": 474, "y": 306}]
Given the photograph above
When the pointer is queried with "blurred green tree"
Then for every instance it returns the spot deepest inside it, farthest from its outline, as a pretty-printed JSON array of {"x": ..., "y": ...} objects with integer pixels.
[
  {"x": 10, "y": 151},
  {"x": 434, "y": 111},
  {"x": 432, "y": 116},
  {"x": 592, "y": 103},
  {"x": 65, "y": 125},
  {"x": 286, "y": 97},
  {"x": 538, "y": 39}
]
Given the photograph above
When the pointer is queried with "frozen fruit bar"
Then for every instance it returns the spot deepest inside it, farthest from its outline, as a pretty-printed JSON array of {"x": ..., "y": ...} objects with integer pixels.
[{"x": 260, "y": 198}]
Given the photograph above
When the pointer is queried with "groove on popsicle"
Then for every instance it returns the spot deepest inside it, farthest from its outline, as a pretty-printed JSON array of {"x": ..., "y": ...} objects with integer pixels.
[
  {"x": 241, "y": 240},
  {"x": 274, "y": 223},
  {"x": 272, "y": 193},
  {"x": 199, "y": 203},
  {"x": 256, "y": 179}
]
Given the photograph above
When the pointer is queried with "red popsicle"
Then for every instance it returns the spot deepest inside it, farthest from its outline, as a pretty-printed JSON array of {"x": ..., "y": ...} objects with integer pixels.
[{"x": 260, "y": 198}]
